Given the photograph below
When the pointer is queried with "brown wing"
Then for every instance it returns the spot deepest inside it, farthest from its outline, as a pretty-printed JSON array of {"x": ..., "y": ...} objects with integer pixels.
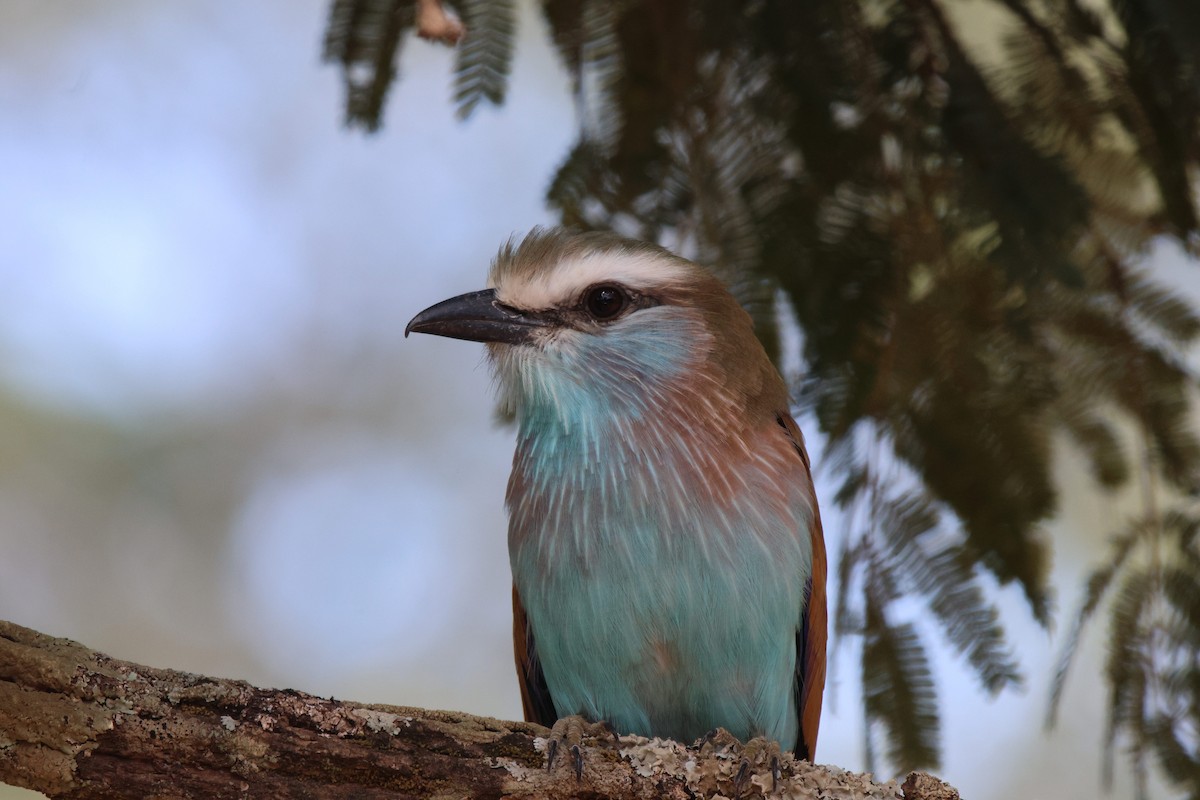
[
  {"x": 813, "y": 631},
  {"x": 535, "y": 695}
]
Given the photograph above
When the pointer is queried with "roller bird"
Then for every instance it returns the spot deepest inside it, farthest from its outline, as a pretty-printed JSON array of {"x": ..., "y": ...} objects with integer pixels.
[{"x": 667, "y": 555}]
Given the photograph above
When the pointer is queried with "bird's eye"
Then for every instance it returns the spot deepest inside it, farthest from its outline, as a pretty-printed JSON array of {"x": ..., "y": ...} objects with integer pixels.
[{"x": 605, "y": 302}]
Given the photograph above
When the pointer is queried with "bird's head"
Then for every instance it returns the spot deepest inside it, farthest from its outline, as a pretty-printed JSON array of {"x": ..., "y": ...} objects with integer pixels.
[{"x": 593, "y": 326}]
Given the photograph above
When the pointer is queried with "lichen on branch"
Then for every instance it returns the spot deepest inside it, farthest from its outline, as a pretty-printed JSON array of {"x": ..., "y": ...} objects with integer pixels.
[{"x": 75, "y": 723}]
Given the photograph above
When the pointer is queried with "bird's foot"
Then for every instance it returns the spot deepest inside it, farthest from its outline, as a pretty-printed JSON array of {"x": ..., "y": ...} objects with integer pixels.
[
  {"x": 758, "y": 755},
  {"x": 568, "y": 734}
]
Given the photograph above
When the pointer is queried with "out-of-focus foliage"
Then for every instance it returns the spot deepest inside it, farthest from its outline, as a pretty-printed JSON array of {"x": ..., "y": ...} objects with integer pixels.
[
  {"x": 365, "y": 36},
  {"x": 958, "y": 220},
  {"x": 1153, "y": 580},
  {"x": 485, "y": 58}
]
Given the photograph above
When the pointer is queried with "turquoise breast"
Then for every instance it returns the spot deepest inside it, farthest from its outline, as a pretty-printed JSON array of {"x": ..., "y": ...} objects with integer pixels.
[{"x": 656, "y": 603}]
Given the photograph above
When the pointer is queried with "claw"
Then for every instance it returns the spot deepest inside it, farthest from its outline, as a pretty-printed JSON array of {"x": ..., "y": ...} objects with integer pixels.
[
  {"x": 577, "y": 761},
  {"x": 776, "y": 773},
  {"x": 739, "y": 780},
  {"x": 569, "y": 732},
  {"x": 719, "y": 739}
]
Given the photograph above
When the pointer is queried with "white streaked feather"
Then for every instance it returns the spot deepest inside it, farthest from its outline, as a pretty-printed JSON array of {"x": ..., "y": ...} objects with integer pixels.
[{"x": 561, "y": 285}]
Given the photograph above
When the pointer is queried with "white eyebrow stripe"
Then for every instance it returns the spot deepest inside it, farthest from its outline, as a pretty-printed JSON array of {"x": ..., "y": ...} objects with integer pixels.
[{"x": 558, "y": 285}]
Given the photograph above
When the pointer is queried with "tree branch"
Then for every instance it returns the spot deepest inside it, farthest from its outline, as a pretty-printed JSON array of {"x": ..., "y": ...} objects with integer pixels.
[{"x": 75, "y": 723}]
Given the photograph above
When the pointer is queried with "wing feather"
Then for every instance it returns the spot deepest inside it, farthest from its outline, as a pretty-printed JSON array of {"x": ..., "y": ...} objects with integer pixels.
[
  {"x": 812, "y": 632},
  {"x": 535, "y": 695}
]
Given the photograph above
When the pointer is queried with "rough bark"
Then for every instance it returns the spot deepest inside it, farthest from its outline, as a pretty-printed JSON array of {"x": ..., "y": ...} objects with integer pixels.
[{"x": 75, "y": 723}]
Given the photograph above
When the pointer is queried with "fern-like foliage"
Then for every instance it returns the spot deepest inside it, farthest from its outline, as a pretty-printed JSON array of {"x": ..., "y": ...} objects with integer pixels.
[
  {"x": 1153, "y": 662},
  {"x": 898, "y": 684},
  {"x": 900, "y": 547},
  {"x": 485, "y": 55},
  {"x": 364, "y": 37},
  {"x": 961, "y": 240}
]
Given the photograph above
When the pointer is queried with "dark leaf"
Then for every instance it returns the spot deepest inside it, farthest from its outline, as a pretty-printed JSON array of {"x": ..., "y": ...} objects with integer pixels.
[
  {"x": 485, "y": 55},
  {"x": 898, "y": 691},
  {"x": 1127, "y": 664},
  {"x": 364, "y": 37},
  {"x": 1097, "y": 587}
]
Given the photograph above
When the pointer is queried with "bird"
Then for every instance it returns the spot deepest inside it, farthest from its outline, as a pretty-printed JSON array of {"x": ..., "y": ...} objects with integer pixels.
[{"x": 667, "y": 555}]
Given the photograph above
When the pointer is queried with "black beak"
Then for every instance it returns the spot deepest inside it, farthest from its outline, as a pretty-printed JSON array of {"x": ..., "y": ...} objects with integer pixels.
[{"x": 477, "y": 317}]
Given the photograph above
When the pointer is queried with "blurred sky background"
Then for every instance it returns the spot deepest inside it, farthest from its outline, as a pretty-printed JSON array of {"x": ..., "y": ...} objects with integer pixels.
[{"x": 217, "y": 451}]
